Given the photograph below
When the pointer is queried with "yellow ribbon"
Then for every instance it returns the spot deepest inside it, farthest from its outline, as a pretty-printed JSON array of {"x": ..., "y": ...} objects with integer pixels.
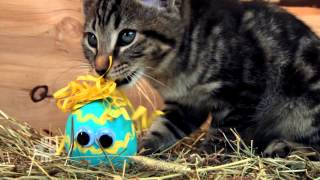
[
  {"x": 143, "y": 121},
  {"x": 110, "y": 63},
  {"x": 86, "y": 89}
]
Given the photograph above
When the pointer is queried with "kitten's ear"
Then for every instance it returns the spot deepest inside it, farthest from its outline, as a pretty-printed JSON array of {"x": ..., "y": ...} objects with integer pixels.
[
  {"x": 163, "y": 4},
  {"x": 88, "y": 5}
]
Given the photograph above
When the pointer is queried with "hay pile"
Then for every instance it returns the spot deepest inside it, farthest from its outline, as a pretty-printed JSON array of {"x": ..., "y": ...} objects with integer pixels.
[{"x": 27, "y": 154}]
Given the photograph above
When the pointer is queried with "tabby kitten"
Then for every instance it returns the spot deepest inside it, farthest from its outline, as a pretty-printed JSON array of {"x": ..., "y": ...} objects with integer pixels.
[{"x": 254, "y": 67}]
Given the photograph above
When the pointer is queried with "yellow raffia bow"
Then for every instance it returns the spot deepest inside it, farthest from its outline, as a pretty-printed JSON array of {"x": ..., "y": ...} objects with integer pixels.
[{"x": 86, "y": 89}]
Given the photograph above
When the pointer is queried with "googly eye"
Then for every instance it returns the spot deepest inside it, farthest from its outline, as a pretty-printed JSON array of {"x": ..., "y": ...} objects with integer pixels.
[
  {"x": 105, "y": 137},
  {"x": 84, "y": 137}
]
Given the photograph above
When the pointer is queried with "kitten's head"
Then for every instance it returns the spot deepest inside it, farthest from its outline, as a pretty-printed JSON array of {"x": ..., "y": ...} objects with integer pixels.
[{"x": 141, "y": 35}]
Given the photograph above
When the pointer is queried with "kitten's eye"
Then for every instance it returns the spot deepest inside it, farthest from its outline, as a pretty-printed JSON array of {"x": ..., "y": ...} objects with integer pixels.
[
  {"x": 126, "y": 37},
  {"x": 92, "y": 40}
]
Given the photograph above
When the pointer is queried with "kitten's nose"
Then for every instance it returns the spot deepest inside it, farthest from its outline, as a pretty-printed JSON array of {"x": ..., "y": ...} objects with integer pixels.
[{"x": 102, "y": 64}]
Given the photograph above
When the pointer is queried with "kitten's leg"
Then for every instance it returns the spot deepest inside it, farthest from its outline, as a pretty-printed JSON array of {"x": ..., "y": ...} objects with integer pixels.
[
  {"x": 225, "y": 119},
  {"x": 294, "y": 114},
  {"x": 179, "y": 121},
  {"x": 288, "y": 125}
]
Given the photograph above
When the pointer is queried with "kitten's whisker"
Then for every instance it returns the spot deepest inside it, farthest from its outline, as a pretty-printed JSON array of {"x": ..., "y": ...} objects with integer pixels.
[
  {"x": 82, "y": 65},
  {"x": 145, "y": 94},
  {"x": 155, "y": 80},
  {"x": 153, "y": 94},
  {"x": 140, "y": 96},
  {"x": 141, "y": 89},
  {"x": 140, "y": 84},
  {"x": 137, "y": 84},
  {"x": 139, "y": 93},
  {"x": 151, "y": 91}
]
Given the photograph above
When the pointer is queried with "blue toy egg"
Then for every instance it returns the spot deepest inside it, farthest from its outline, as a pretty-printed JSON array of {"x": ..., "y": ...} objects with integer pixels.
[{"x": 102, "y": 134}]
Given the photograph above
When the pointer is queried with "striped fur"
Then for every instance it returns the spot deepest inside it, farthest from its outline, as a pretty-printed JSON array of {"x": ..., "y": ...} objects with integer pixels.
[{"x": 254, "y": 67}]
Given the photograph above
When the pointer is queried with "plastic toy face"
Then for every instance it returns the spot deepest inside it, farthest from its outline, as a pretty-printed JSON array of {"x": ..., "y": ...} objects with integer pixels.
[{"x": 101, "y": 134}]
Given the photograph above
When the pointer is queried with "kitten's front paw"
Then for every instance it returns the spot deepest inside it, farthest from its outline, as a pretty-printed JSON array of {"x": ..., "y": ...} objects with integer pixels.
[
  {"x": 277, "y": 148},
  {"x": 159, "y": 137},
  {"x": 214, "y": 142},
  {"x": 150, "y": 144}
]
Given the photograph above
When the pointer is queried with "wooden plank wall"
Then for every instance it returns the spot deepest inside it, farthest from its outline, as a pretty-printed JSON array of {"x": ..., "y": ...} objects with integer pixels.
[{"x": 40, "y": 45}]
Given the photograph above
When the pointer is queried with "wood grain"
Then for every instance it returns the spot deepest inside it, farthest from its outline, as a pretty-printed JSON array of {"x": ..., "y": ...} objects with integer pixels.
[{"x": 40, "y": 45}]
